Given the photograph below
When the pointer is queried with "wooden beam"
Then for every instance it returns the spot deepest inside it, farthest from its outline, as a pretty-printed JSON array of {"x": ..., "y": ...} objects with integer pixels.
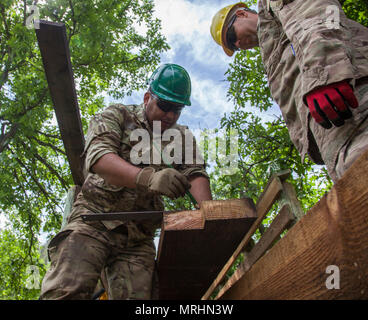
[
  {"x": 265, "y": 202},
  {"x": 333, "y": 233},
  {"x": 55, "y": 54},
  {"x": 282, "y": 221},
  {"x": 195, "y": 244}
]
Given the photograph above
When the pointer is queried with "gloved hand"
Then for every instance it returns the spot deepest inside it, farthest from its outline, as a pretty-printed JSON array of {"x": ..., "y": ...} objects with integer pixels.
[
  {"x": 168, "y": 182},
  {"x": 331, "y": 104}
]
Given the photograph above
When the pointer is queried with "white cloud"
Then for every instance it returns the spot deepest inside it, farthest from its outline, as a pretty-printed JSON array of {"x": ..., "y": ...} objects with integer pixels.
[
  {"x": 3, "y": 221},
  {"x": 186, "y": 26},
  {"x": 211, "y": 94},
  {"x": 188, "y": 23}
]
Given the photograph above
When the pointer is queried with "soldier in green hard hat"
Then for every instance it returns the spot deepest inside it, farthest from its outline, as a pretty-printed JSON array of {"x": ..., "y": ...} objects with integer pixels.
[{"x": 124, "y": 251}]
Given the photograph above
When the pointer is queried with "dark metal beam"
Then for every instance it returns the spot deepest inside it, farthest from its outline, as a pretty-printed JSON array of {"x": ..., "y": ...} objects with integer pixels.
[{"x": 134, "y": 215}]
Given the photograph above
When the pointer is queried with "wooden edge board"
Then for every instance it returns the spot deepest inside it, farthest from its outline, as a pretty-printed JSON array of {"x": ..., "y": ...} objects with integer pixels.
[
  {"x": 210, "y": 210},
  {"x": 283, "y": 219},
  {"x": 184, "y": 220},
  {"x": 225, "y": 209},
  {"x": 268, "y": 197},
  {"x": 333, "y": 233}
]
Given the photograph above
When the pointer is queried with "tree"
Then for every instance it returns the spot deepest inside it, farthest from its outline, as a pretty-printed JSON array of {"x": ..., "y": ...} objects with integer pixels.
[{"x": 115, "y": 45}]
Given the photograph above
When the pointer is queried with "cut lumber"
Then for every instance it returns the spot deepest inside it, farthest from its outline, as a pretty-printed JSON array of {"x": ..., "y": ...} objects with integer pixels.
[
  {"x": 264, "y": 204},
  {"x": 282, "y": 221},
  {"x": 54, "y": 48},
  {"x": 195, "y": 244},
  {"x": 333, "y": 235}
]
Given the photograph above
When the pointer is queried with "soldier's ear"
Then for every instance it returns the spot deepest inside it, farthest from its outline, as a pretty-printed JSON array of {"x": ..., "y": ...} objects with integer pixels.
[
  {"x": 146, "y": 98},
  {"x": 241, "y": 13}
]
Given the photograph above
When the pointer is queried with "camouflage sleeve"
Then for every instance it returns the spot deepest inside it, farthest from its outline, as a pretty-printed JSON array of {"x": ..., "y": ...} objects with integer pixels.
[
  {"x": 103, "y": 136},
  {"x": 193, "y": 162},
  {"x": 322, "y": 40}
]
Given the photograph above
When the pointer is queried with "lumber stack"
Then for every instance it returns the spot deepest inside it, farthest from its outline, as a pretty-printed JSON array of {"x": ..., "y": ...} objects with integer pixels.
[
  {"x": 324, "y": 255},
  {"x": 194, "y": 245}
]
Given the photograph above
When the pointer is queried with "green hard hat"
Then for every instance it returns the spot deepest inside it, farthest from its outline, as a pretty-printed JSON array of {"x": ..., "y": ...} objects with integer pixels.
[{"x": 171, "y": 82}]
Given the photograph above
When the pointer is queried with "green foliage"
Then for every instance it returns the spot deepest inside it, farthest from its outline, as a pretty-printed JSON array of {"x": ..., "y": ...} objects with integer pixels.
[
  {"x": 18, "y": 260},
  {"x": 356, "y": 10},
  {"x": 266, "y": 148},
  {"x": 114, "y": 46},
  {"x": 248, "y": 81}
]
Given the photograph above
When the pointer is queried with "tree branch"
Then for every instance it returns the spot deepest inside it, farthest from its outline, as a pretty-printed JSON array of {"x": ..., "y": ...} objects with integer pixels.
[
  {"x": 30, "y": 174},
  {"x": 49, "y": 135},
  {"x": 46, "y": 144},
  {"x": 47, "y": 165},
  {"x": 29, "y": 219},
  {"x": 5, "y": 138},
  {"x": 34, "y": 105},
  {"x": 48, "y": 198},
  {"x": 73, "y": 31}
]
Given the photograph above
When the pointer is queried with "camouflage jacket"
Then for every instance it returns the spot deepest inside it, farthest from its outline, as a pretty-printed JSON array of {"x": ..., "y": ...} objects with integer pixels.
[
  {"x": 111, "y": 132},
  {"x": 301, "y": 51}
]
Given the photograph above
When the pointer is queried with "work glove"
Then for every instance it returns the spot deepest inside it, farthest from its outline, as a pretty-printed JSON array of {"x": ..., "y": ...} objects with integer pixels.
[
  {"x": 168, "y": 182},
  {"x": 332, "y": 103}
]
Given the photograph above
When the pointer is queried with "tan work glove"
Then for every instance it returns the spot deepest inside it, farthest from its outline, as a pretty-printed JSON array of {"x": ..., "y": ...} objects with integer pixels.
[{"x": 168, "y": 182}]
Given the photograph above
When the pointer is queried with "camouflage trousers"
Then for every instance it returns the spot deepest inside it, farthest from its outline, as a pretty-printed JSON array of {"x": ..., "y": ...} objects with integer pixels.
[
  {"x": 358, "y": 141},
  {"x": 79, "y": 254}
]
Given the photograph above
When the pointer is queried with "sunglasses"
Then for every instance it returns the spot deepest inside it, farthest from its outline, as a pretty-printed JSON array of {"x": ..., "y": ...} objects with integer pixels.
[
  {"x": 231, "y": 35},
  {"x": 167, "y": 106}
]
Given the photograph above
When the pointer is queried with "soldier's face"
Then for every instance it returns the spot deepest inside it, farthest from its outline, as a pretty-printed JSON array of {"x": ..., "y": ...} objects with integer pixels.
[
  {"x": 154, "y": 113},
  {"x": 245, "y": 27}
]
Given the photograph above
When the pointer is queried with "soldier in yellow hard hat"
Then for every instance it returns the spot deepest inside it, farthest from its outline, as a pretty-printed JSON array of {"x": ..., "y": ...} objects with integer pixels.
[
  {"x": 222, "y": 26},
  {"x": 317, "y": 67}
]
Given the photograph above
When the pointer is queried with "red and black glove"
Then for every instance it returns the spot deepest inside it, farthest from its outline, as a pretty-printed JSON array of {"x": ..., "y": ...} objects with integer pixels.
[{"x": 332, "y": 103}]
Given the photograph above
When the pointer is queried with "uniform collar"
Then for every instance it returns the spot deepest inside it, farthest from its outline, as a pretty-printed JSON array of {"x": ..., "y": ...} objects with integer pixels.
[{"x": 141, "y": 115}]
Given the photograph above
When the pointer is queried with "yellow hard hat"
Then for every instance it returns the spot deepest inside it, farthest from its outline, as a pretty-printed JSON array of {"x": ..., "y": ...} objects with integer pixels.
[{"x": 219, "y": 23}]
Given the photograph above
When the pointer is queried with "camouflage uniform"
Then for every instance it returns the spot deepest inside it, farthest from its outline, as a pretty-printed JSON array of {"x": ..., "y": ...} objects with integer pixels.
[
  {"x": 301, "y": 52},
  {"x": 124, "y": 249}
]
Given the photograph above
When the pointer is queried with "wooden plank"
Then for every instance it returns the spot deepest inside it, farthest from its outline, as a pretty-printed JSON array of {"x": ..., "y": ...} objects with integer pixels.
[
  {"x": 184, "y": 220},
  {"x": 282, "y": 220},
  {"x": 333, "y": 233},
  {"x": 55, "y": 54},
  {"x": 195, "y": 244},
  {"x": 265, "y": 202}
]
